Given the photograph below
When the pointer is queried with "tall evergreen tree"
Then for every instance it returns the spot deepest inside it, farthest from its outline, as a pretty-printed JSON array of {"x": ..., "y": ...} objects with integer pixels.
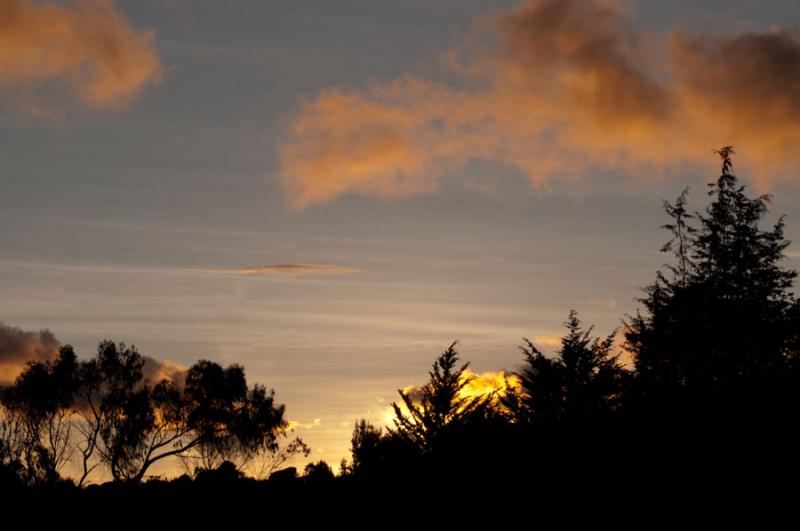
[{"x": 721, "y": 320}]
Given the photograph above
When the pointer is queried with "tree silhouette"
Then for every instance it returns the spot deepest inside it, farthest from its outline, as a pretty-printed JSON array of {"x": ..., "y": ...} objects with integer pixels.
[
  {"x": 256, "y": 446},
  {"x": 138, "y": 424},
  {"x": 720, "y": 320},
  {"x": 437, "y": 405},
  {"x": 37, "y": 417},
  {"x": 682, "y": 233},
  {"x": 364, "y": 446},
  {"x": 583, "y": 381},
  {"x": 318, "y": 472},
  {"x": 103, "y": 410},
  {"x": 377, "y": 454},
  {"x": 271, "y": 458},
  {"x": 231, "y": 422},
  {"x": 125, "y": 414}
]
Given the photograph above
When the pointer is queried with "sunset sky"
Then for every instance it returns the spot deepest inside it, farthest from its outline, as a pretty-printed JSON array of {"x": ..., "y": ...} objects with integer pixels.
[{"x": 331, "y": 192}]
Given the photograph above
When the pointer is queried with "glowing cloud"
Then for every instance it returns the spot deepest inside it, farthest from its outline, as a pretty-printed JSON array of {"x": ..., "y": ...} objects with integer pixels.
[
  {"x": 87, "y": 45},
  {"x": 554, "y": 89}
]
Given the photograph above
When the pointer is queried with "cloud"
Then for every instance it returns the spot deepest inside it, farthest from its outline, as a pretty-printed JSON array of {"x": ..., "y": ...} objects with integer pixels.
[
  {"x": 293, "y": 425},
  {"x": 17, "y": 347},
  {"x": 555, "y": 90},
  {"x": 748, "y": 86},
  {"x": 281, "y": 269},
  {"x": 86, "y": 45}
]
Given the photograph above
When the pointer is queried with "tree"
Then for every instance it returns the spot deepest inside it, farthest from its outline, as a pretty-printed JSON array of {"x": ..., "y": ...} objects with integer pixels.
[
  {"x": 125, "y": 415},
  {"x": 37, "y": 422},
  {"x": 137, "y": 424},
  {"x": 89, "y": 419},
  {"x": 682, "y": 233},
  {"x": 318, "y": 472},
  {"x": 722, "y": 320},
  {"x": 437, "y": 407},
  {"x": 583, "y": 381},
  {"x": 218, "y": 398},
  {"x": 271, "y": 459},
  {"x": 364, "y": 446}
]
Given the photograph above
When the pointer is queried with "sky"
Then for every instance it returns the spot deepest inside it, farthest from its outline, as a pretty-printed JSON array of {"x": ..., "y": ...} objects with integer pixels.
[{"x": 331, "y": 192}]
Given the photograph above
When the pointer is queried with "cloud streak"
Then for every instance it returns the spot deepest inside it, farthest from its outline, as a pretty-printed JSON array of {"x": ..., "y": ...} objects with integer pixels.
[
  {"x": 281, "y": 269},
  {"x": 86, "y": 45},
  {"x": 555, "y": 90}
]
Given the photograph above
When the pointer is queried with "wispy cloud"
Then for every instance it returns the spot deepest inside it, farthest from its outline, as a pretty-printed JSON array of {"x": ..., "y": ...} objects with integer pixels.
[
  {"x": 281, "y": 269},
  {"x": 293, "y": 424},
  {"x": 274, "y": 269},
  {"x": 555, "y": 89},
  {"x": 87, "y": 46}
]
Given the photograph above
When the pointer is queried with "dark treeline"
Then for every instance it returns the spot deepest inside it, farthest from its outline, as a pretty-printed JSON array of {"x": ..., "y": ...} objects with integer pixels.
[{"x": 710, "y": 398}]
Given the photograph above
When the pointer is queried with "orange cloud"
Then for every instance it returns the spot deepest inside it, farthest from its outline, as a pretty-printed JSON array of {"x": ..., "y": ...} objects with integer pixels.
[
  {"x": 744, "y": 89},
  {"x": 88, "y": 46},
  {"x": 558, "y": 89}
]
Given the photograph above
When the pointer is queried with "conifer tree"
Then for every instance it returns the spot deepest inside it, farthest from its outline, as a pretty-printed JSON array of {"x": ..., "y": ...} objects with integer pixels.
[
  {"x": 721, "y": 320},
  {"x": 584, "y": 379},
  {"x": 438, "y": 405}
]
